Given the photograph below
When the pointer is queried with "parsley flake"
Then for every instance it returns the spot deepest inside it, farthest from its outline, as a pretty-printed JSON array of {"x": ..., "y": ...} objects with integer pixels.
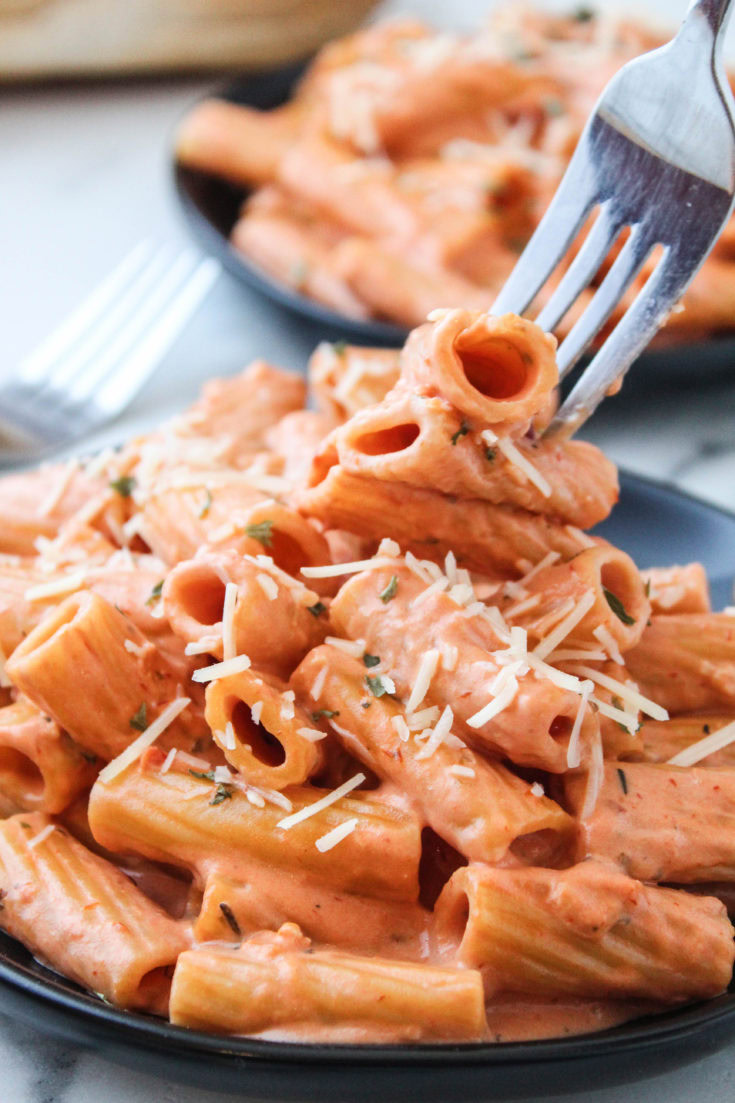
[
  {"x": 617, "y": 607},
  {"x": 584, "y": 15},
  {"x": 155, "y": 593},
  {"x": 222, "y": 792},
  {"x": 318, "y": 609},
  {"x": 138, "y": 719},
  {"x": 623, "y": 781},
  {"x": 262, "y": 532},
  {"x": 376, "y": 685},
  {"x": 340, "y": 348},
  {"x": 390, "y": 590},
  {"x": 706, "y": 729},
  {"x": 648, "y": 587},
  {"x": 490, "y": 454},
  {"x": 370, "y": 660},
  {"x": 207, "y": 776},
  {"x": 229, "y": 916},
  {"x": 124, "y": 486},
  {"x": 461, "y": 432},
  {"x": 325, "y": 714}
]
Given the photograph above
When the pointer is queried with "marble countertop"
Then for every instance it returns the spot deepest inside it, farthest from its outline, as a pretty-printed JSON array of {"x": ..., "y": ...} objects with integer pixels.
[{"x": 84, "y": 176}]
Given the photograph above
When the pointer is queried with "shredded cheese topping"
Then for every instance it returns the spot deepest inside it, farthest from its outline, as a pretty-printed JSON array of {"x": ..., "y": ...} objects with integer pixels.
[
  {"x": 221, "y": 670},
  {"x": 319, "y": 805},
  {"x": 427, "y": 669},
  {"x": 336, "y": 835},
  {"x": 144, "y": 740},
  {"x": 695, "y": 752}
]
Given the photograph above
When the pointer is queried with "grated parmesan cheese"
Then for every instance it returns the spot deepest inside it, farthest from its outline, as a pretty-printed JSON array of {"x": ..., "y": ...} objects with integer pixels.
[
  {"x": 221, "y": 670},
  {"x": 427, "y": 669},
  {"x": 201, "y": 647},
  {"x": 5, "y": 682},
  {"x": 608, "y": 641},
  {"x": 256, "y": 711},
  {"x": 401, "y": 728},
  {"x": 423, "y": 719},
  {"x": 144, "y": 740},
  {"x": 58, "y": 491},
  {"x": 523, "y": 606},
  {"x": 135, "y": 648},
  {"x": 312, "y": 734},
  {"x": 255, "y": 798},
  {"x": 64, "y": 585},
  {"x": 41, "y": 836},
  {"x": 168, "y": 761},
  {"x": 318, "y": 686},
  {"x": 435, "y": 587},
  {"x": 319, "y": 805},
  {"x": 595, "y": 777},
  {"x": 228, "y": 736},
  {"x": 627, "y": 693},
  {"x": 461, "y": 771},
  {"x": 537, "y": 789},
  {"x": 449, "y": 656},
  {"x": 332, "y": 570},
  {"x": 502, "y": 699},
  {"x": 389, "y": 547},
  {"x": 695, "y": 752},
  {"x": 288, "y": 709},
  {"x": 515, "y": 457},
  {"x": 574, "y": 752},
  {"x": 437, "y": 734},
  {"x": 562, "y": 630},
  {"x": 268, "y": 585},
  {"x": 355, "y": 648},
  {"x": 336, "y": 835}
]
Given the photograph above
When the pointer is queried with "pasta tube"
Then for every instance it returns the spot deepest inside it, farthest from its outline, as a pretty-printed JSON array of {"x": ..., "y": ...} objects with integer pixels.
[
  {"x": 475, "y": 804},
  {"x": 662, "y": 739},
  {"x": 182, "y": 819},
  {"x": 419, "y": 440},
  {"x": 678, "y": 589},
  {"x": 604, "y": 934},
  {"x": 497, "y": 370},
  {"x": 686, "y": 662},
  {"x": 257, "y": 728},
  {"x": 268, "y": 897},
  {"x": 84, "y": 916},
  {"x": 661, "y": 823},
  {"x": 41, "y": 768},
  {"x": 81, "y": 646},
  {"x": 260, "y": 987},
  {"x": 534, "y": 726},
  {"x": 494, "y": 540},
  {"x": 345, "y": 379}
]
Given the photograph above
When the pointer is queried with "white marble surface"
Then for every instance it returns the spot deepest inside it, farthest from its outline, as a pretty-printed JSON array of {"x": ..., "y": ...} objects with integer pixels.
[{"x": 83, "y": 177}]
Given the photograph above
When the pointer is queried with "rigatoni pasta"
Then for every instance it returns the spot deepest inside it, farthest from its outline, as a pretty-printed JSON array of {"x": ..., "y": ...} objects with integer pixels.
[{"x": 336, "y": 724}]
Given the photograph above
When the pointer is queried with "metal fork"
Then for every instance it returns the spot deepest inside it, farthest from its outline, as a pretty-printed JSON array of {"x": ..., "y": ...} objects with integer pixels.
[
  {"x": 657, "y": 156},
  {"x": 90, "y": 368}
]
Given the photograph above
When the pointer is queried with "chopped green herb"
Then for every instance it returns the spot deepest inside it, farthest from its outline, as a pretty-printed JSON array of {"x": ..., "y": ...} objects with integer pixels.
[
  {"x": 155, "y": 593},
  {"x": 365, "y": 704},
  {"x": 207, "y": 504},
  {"x": 138, "y": 719},
  {"x": 617, "y": 607},
  {"x": 584, "y": 15},
  {"x": 370, "y": 660},
  {"x": 26, "y": 825},
  {"x": 340, "y": 348},
  {"x": 490, "y": 454},
  {"x": 229, "y": 916},
  {"x": 262, "y": 532},
  {"x": 207, "y": 776},
  {"x": 376, "y": 685},
  {"x": 318, "y": 609},
  {"x": 706, "y": 729},
  {"x": 618, "y": 704},
  {"x": 124, "y": 486},
  {"x": 88, "y": 756},
  {"x": 325, "y": 714},
  {"x": 648, "y": 587},
  {"x": 623, "y": 781},
  {"x": 554, "y": 108},
  {"x": 222, "y": 792},
  {"x": 390, "y": 590},
  {"x": 461, "y": 432}
]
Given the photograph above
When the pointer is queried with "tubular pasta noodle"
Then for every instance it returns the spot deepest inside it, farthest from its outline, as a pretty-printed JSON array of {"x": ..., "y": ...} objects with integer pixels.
[
  {"x": 22, "y": 504},
  {"x": 296, "y": 439},
  {"x": 266, "y": 898},
  {"x": 686, "y": 661},
  {"x": 498, "y": 370},
  {"x": 245, "y": 992},
  {"x": 662, "y": 739},
  {"x": 480, "y": 814},
  {"x": 41, "y": 768},
  {"x": 497, "y": 541},
  {"x": 272, "y": 625},
  {"x": 637, "y": 821},
  {"x": 81, "y": 642},
  {"x": 619, "y": 592},
  {"x": 604, "y": 934},
  {"x": 86, "y": 918},
  {"x": 170, "y": 818},
  {"x": 270, "y": 752},
  {"x": 532, "y": 730},
  {"x": 418, "y": 440},
  {"x": 344, "y": 379},
  {"x": 678, "y": 589}
]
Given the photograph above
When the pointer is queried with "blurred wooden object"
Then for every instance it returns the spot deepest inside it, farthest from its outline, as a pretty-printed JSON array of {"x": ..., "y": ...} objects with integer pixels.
[{"x": 73, "y": 38}]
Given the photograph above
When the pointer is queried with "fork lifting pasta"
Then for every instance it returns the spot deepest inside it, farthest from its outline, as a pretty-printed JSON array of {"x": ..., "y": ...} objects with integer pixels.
[{"x": 336, "y": 724}]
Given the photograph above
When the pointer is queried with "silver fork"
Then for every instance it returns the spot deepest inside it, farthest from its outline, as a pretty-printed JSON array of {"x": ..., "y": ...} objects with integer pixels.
[
  {"x": 657, "y": 156},
  {"x": 90, "y": 368}
]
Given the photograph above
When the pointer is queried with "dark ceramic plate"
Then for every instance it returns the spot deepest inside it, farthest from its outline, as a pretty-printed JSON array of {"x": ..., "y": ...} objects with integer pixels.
[
  {"x": 658, "y": 526},
  {"x": 211, "y": 207}
]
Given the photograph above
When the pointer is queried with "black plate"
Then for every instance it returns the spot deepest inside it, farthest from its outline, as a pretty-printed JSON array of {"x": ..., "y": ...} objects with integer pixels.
[
  {"x": 211, "y": 208},
  {"x": 658, "y": 526}
]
